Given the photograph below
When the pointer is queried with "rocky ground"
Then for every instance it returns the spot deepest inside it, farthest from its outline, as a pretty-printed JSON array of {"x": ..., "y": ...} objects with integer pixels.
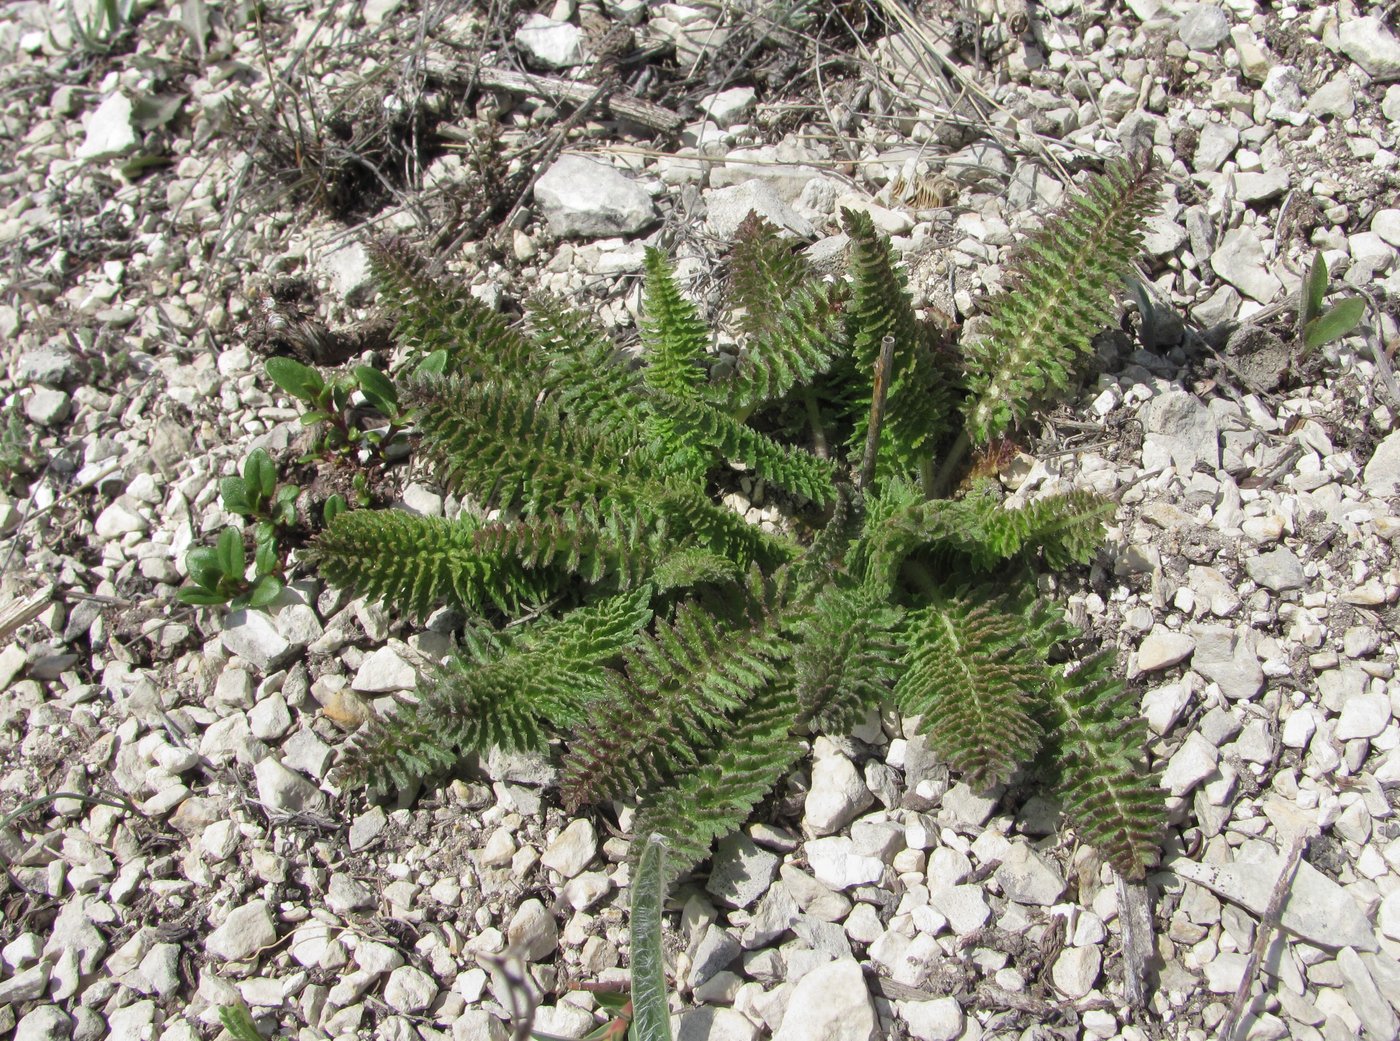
[{"x": 182, "y": 187}]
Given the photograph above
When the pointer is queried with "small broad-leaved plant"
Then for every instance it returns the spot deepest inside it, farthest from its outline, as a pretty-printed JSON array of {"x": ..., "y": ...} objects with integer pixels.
[
  {"x": 623, "y": 617},
  {"x": 220, "y": 574},
  {"x": 329, "y": 404},
  {"x": 1318, "y": 327},
  {"x": 257, "y": 496}
]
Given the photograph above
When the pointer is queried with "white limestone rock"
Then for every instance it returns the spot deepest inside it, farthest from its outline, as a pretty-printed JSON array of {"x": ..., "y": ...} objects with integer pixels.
[
  {"x": 1239, "y": 260},
  {"x": 587, "y": 198},
  {"x": 110, "y": 131},
  {"x": 532, "y": 932},
  {"x": 1317, "y": 909},
  {"x": 1370, "y": 43},
  {"x": 571, "y": 851},
  {"x": 938, "y": 1020},
  {"x": 837, "y": 796},
  {"x": 384, "y": 672},
  {"x": 830, "y": 1003},
  {"x": 409, "y": 990},
  {"x": 1026, "y": 878},
  {"x": 246, "y": 930},
  {"x": 284, "y": 791},
  {"x": 550, "y": 44}
]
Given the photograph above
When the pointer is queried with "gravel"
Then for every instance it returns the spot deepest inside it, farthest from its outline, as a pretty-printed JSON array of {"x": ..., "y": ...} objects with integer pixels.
[{"x": 1249, "y": 577}]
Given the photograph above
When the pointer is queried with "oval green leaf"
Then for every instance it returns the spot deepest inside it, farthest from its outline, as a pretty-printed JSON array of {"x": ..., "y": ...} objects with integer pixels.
[
  {"x": 233, "y": 491},
  {"x": 230, "y": 550},
  {"x": 298, "y": 380},
  {"x": 260, "y": 474},
  {"x": 265, "y": 591}
]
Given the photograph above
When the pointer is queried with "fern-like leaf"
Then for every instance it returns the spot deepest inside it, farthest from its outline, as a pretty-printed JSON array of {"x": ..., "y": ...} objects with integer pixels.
[
  {"x": 1098, "y": 737},
  {"x": 804, "y": 341},
  {"x": 673, "y": 333},
  {"x": 920, "y": 404},
  {"x": 499, "y": 445},
  {"x": 591, "y": 379},
  {"x": 794, "y": 330},
  {"x": 431, "y": 316},
  {"x": 543, "y": 681},
  {"x": 979, "y": 530},
  {"x": 683, "y": 685},
  {"x": 1058, "y": 295},
  {"x": 717, "y": 795},
  {"x": 790, "y": 468},
  {"x": 765, "y": 273},
  {"x": 973, "y": 679},
  {"x": 847, "y": 658},
  {"x": 1066, "y": 529},
  {"x": 693, "y": 566},
  {"x": 417, "y": 563}
]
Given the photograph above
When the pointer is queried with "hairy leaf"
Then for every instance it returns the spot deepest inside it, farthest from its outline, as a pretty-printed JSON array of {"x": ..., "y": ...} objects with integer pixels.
[
  {"x": 972, "y": 678},
  {"x": 1057, "y": 296}
]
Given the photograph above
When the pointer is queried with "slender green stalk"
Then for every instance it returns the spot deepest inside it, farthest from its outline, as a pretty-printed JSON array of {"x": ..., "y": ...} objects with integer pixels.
[{"x": 651, "y": 1014}]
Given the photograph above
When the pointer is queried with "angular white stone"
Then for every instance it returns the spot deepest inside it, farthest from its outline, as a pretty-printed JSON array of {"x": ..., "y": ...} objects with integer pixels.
[
  {"x": 1193, "y": 762},
  {"x": 728, "y": 107},
  {"x": 1026, "y": 878},
  {"x": 726, "y": 208},
  {"x": 1317, "y": 909},
  {"x": 245, "y": 931},
  {"x": 837, "y": 796},
  {"x": 1389, "y": 917},
  {"x": 1381, "y": 478},
  {"x": 1239, "y": 260},
  {"x": 938, "y": 1020},
  {"x": 551, "y": 44},
  {"x": 1076, "y": 970},
  {"x": 964, "y": 906},
  {"x": 282, "y": 790},
  {"x": 835, "y": 863},
  {"x": 1363, "y": 715},
  {"x": 384, "y": 672},
  {"x": 409, "y": 990},
  {"x": 478, "y": 1025},
  {"x": 110, "y": 132},
  {"x": 253, "y": 637},
  {"x": 533, "y": 932},
  {"x": 830, "y": 1003},
  {"x": 571, "y": 851},
  {"x": 1375, "y": 1013},
  {"x": 714, "y": 1024},
  {"x": 582, "y": 197},
  {"x": 1386, "y": 224},
  {"x": 1371, "y": 44},
  {"x": 1180, "y": 432},
  {"x": 1163, "y": 706},
  {"x": 1162, "y": 648},
  {"x": 117, "y": 520}
]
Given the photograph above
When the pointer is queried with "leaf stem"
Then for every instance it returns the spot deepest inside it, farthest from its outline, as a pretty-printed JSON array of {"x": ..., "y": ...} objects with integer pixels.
[
  {"x": 952, "y": 463},
  {"x": 880, "y": 387}
]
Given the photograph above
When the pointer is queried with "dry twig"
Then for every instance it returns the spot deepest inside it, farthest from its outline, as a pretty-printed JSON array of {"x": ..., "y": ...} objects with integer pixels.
[
  {"x": 1262, "y": 935},
  {"x": 635, "y": 110}
]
